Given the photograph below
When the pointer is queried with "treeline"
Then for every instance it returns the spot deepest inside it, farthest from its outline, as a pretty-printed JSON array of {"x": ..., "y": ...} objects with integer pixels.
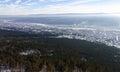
[{"x": 63, "y": 55}]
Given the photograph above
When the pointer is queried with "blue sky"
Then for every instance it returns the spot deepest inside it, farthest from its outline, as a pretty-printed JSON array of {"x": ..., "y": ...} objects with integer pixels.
[{"x": 24, "y": 7}]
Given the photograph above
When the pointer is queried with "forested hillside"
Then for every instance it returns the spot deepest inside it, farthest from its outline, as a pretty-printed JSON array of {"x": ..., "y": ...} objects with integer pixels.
[{"x": 34, "y": 54}]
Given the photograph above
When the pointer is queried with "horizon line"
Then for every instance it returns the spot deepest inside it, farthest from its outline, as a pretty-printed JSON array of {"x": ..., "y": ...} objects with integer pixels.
[{"x": 56, "y": 14}]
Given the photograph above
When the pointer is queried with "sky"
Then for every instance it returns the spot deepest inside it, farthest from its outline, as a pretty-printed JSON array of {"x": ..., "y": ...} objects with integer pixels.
[{"x": 26, "y": 7}]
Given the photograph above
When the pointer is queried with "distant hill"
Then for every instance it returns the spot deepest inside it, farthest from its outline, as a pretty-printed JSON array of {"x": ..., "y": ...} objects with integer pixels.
[
  {"x": 62, "y": 14},
  {"x": 65, "y": 14}
]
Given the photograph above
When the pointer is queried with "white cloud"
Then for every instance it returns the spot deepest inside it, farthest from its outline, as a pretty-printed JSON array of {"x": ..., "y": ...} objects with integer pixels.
[
  {"x": 42, "y": 0},
  {"x": 51, "y": 9},
  {"x": 74, "y": 7},
  {"x": 50, "y": 0},
  {"x": 3, "y": 1},
  {"x": 18, "y": 1},
  {"x": 56, "y": 0},
  {"x": 30, "y": 4},
  {"x": 27, "y": 1},
  {"x": 82, "y": 1}
]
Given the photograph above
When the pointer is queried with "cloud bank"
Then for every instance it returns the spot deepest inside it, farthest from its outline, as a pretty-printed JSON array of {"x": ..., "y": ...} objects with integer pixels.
[{"x": 24, "y": 7}]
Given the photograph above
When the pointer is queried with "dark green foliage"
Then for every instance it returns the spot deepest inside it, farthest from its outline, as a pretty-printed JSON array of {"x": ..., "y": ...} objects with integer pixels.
[{"x": 67, "y": 54}]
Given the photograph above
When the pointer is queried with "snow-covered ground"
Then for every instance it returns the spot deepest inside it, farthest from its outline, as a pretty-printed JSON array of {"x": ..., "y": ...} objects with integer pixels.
[{"x": 107, "y": 36}]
